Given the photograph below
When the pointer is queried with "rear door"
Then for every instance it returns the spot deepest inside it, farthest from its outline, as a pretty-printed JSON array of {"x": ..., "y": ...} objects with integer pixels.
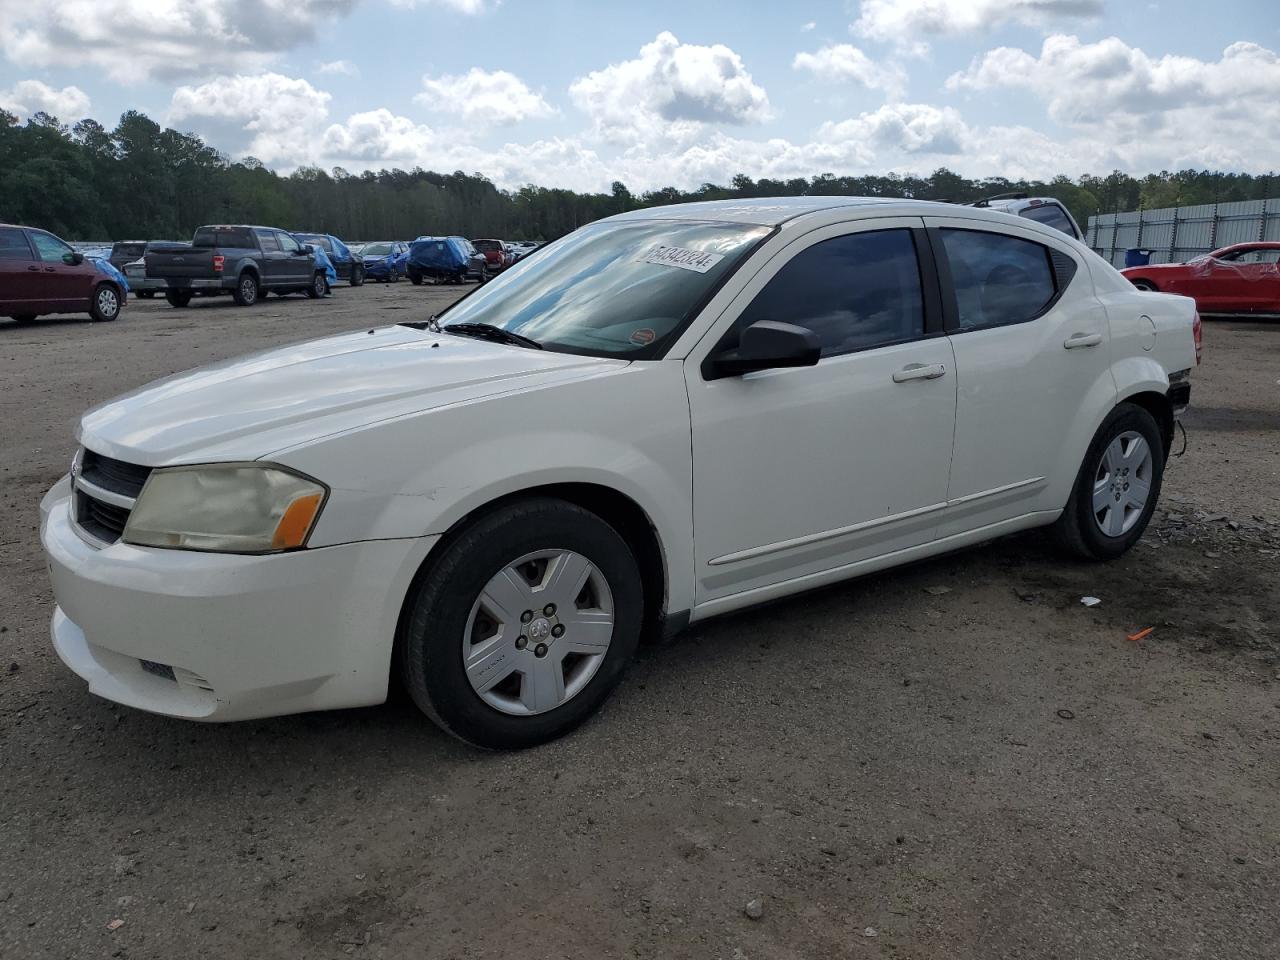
[
  {"x": 19, "y": 273},
  {"x": 64, "y": 285},
  {"x": 1032, "y": 358}
]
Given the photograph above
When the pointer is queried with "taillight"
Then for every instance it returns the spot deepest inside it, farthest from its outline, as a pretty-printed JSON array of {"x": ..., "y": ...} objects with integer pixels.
[
  {"x": 217, "y": 264},
  {"x": 1197, "y": 333}
]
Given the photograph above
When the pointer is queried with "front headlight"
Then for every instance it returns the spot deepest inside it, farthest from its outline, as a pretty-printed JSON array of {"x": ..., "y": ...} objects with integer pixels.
[{"x": 226, "y": 508}]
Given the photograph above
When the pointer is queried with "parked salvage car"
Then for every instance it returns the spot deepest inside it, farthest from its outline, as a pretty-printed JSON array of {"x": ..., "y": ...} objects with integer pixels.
[
  {"x": 136, "y": 271},
  {"x": 445, "y": 260},
  {"x": 385, "y": 260},
  {"x": 494, "y": 505},
  {"x": 347, "y": 265},
  {"x": 1243, "y": 278},
  {"x": 1047, "y": 210},
  {"x": 237, "y": 259},
  {"x": 497, "y": 255},
  {"x": 124, "y": 252},
  {"x": 40, "y": 274}
]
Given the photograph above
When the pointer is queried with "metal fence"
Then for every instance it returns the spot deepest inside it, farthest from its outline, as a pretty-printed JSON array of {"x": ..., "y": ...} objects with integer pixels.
[{"x": 1175, "y": 234}]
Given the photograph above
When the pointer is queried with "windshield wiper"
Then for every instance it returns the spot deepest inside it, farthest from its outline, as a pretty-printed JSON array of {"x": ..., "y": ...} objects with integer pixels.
[
  {"x": 487, "y": 331},
  {"x": 431, "y": 323}
]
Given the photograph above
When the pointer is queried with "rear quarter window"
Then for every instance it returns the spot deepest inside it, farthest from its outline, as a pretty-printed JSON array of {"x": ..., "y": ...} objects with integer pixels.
[{"x": 13, "y": 244}]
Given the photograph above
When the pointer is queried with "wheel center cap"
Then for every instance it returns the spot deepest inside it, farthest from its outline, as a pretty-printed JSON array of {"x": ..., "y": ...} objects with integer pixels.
[{"x": 540, "y": 629}]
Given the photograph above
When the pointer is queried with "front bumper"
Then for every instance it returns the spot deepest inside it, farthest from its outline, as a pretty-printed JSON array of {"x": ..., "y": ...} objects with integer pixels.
[{"x": 221, "y": 637}]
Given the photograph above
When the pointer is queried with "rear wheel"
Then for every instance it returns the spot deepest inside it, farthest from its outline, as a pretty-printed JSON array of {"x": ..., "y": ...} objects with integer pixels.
[
  {"x": 357, "y": 277},
  {"x": 1117, "y": 488},
  {"x": 524, "y": 626},
  {"x": 24, "y": 318},
  {"x": 415, "y": 278},
  {"x": 246, "y": 292},
  {"x": 178, "y": 298},
  {"x": 1144, "y": 285},
  {"x": 105, "y": 304}
]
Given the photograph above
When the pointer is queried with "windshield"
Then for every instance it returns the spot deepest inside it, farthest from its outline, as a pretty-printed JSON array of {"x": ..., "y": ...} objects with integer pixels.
[
  {"x": 611, "y": 289},
  {"x": 375, "y": 249}
]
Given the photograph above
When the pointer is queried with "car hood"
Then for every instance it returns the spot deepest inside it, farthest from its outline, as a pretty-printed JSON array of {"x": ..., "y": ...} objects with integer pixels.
[{"x": 251, "y": 407}]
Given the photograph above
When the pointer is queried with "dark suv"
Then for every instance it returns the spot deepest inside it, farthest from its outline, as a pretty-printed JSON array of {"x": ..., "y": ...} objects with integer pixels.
[{"x": 41, "y": 274}]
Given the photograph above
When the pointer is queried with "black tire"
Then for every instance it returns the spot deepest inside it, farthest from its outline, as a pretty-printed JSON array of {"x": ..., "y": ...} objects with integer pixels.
[
  {"x": 105, "y": 304},
  {"x": 319, "y": 286},
  {"x": 1145, "y": 285},
  {"x": 439, "y": 606},
  {"x": 24, "y": 318},
  {"x": 178, "y": 298},
  {"x": 147, "y": 294},
  {"x": 484, "y": 275},
  {"x": 1077, "y": 531},
  {"x": 357, "y": 277},
  {"x": 415, "y": 278},
  {"x": 246, "y": 291}
]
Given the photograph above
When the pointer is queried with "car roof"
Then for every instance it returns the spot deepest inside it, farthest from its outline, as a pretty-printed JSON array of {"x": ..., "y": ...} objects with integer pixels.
[
  {"x": 775, "y": 211},
  {"x": 1251, "y": 245}
]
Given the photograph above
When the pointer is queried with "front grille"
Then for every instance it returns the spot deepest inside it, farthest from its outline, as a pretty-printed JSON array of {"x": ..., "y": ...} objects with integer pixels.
[
  {"x": 117, "y": 476},
  {"x": 98, "y": 477}
]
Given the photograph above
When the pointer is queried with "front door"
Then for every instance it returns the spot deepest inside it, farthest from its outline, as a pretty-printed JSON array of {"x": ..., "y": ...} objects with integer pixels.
[
  {"x": 64, "y": 285},
  {"x": 1244, "y": 281},
  {"x": 1032, "y": 357},
  {"x": 299, "y": 263},
  {"x": 801, "y": 472}
]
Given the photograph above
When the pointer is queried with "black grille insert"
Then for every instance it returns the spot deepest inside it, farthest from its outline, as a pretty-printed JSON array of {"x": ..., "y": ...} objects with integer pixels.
[{"x": 117, "y": 476}]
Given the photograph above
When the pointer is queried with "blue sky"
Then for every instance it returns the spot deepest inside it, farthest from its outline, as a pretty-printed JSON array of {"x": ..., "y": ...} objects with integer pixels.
[{"x": 578, "y": 94}]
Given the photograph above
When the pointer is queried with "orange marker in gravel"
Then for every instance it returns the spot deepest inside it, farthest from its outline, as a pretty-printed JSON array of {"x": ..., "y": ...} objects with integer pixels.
[{"x": 1140, "y": 634}]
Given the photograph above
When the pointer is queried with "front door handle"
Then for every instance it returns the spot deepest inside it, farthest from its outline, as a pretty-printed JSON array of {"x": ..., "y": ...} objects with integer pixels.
[
  {"x": 50, "y": 269},
  {"x": 919, "y": 371},
  {"x": 33, "y": 268},
  {"x": 1082, "y": 340}
]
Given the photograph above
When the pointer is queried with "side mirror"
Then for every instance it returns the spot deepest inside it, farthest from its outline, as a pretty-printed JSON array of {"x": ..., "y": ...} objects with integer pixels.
[
  {"x": 766, "y": 345},
  {"x": 73, "y": 259}
]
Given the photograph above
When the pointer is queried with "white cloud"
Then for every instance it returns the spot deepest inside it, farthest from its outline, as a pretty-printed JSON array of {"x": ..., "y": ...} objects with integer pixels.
[
  {"x": 470, "y": 8},
  {"x": 30, "y": 96},
  {"x": 134, "y": 40},
  {"x": 905, "y": 128},
  {"x": 845, "y": 62},
  {"x": 903, "y": 21},
  {"x": 671, "y": 90},
  {"x": 1156, "y": 112},
  {"x": 272, "y": 117},
  {"x": 808, "y": 27},
  {"x": 483, "y": 97},
  {"x": 342, "y": 68}
]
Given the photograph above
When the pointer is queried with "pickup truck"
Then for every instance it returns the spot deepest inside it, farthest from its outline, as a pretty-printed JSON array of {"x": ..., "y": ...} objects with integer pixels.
[{"x": 245, "y": 261}]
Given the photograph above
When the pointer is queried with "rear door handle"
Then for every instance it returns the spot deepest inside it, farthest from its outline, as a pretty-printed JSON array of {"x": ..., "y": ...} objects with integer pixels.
[
  {"x": 919, "y": 371},
  {"x": 1082, "y": 340},
  {"x": 33, "y": 268},
  {"x": 50, "y": 269}
]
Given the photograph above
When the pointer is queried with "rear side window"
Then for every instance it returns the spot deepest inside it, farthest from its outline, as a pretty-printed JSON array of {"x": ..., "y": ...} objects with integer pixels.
[
  {"x": 267, "y": 240},
  {"x": 998, "y": 279},
  {"x": 13, "y": 245},
  {"x": 1051, "y": 215},
  {"x": 858, "y": 291},
  {"x": 223, "y": 237}
]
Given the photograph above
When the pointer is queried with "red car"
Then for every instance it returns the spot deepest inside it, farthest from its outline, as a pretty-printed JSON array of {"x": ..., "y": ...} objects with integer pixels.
[
  {"x": 495, "y": 254},
  {"x": 1241, "y": 278},
  {"x": 41, "y": 274}
]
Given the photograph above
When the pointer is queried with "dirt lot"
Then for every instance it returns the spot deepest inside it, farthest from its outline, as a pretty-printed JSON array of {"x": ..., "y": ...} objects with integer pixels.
[{"x": 893, "y": 770}]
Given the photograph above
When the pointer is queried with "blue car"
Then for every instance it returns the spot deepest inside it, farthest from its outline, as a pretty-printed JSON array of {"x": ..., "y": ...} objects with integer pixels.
[
  {"x": 385, "y": 260},
  {"x": 445, "y": 260},
  {"x": 348, "y": 266}
]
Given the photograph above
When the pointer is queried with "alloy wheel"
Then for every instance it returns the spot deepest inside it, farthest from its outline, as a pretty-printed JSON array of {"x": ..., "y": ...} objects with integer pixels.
[
  {"x": 1122, "y": 484},
  {"x": 538, "y": 632}
]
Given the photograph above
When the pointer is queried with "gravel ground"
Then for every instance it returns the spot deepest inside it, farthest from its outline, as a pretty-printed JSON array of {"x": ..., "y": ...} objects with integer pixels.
[{"x": 954, "y": 760}]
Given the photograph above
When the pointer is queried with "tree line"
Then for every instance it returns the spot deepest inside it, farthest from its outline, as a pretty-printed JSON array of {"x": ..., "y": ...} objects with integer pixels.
[{"x": 142, "y": 181}]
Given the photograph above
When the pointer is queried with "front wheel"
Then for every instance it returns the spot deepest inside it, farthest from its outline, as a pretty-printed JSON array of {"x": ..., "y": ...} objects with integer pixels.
[
  {"x": 106, "y": 304},
  {"x": 357, "y": 277},
  {"x": 415, "y": 278},
  {"x": 318, "y": 286},
  {"x": 524, "y": 626},
  {"x": 1117, "y": 487}
]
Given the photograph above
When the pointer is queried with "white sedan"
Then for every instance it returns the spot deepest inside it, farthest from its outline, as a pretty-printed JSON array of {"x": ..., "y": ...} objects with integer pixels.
[{"x": 664, "y": 416}]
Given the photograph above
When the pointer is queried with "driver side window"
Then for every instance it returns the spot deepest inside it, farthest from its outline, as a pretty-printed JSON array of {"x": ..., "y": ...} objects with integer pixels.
[
  {"x": 48, "y": 247},
  {"x": 288, "y": 244},
  {"x": 855, "y": 292}
]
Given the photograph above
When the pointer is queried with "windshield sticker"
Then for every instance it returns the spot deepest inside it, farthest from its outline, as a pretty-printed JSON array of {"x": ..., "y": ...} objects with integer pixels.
[
  {"x": 681, "y": 257},
  {"x": 643, "y": 337}
]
